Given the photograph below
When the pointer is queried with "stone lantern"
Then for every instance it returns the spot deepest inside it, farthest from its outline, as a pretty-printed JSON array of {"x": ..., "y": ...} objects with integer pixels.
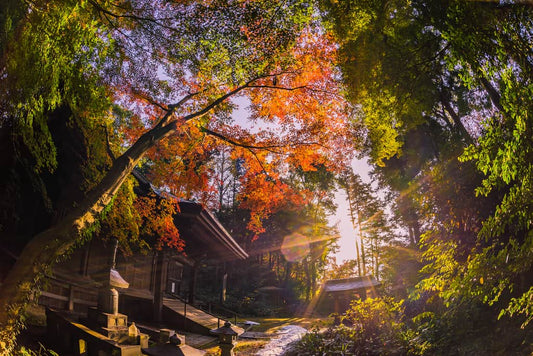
[
  {"x": 227, "y": 335},
  {"x": 105, "y": 318},
  {"x": 108, "y": 295}
]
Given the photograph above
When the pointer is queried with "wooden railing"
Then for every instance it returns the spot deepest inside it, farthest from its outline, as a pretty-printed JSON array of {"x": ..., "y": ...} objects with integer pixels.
[
  {"x": 67, "y": 295},
  {"x": 208, "y": 310},
  {"x": 227, "y": 312},
  {"x": 62, "y": 294}
]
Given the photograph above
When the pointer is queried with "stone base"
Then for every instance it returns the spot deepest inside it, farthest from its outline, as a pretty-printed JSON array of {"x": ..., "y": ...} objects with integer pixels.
[
  {"x": 117, "y": 334},
  {"x": 106, "y": 320},
  {"x": 226, "y": 349},
  {"x": 113, "y": 326}
]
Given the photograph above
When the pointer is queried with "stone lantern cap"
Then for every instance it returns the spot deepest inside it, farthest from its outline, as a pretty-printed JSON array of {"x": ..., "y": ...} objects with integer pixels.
[
  {"x": 116, "y": 280},
  {"x": 228, "y": 329}
]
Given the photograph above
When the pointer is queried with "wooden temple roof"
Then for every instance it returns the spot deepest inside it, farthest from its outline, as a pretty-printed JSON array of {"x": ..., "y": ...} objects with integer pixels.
[
  {"x": 204, "y": 235},
  {"x": 198, "y": 224}
]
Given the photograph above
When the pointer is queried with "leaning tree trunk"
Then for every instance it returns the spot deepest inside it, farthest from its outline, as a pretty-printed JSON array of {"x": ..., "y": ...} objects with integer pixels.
[{"x": 45, "y": 248}]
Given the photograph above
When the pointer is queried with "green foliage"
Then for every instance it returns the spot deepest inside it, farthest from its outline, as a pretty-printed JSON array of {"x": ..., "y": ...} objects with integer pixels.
[
  {"x": 346, "y": 269},
  {"x": 376, "y": 327},
  {"x": 451, "y": 65},
  {"x": 521, "y": 306},
  {"x": 122, "y": 221},
  {"x": 391, "y": 61},
  {"x": 382, "y": 326},
  {"x": 53, "y": 60},
  {"x": 504, "y": 155},
  {"x": 400, "y": 270},
  {"x": 42, "y": 351},
  {"x": 468, "y": 328}
]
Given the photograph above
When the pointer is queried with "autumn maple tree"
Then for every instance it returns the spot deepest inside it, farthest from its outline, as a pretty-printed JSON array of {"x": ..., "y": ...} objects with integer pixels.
[{"x": 156, "y": 82}]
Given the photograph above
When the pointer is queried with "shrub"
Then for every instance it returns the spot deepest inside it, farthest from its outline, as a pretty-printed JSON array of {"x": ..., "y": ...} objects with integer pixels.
[{"x": 369, "y": 327}]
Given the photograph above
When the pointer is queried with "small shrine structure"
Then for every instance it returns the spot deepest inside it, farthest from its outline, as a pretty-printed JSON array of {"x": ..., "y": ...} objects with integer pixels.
[{"x": 336, "y": 294}]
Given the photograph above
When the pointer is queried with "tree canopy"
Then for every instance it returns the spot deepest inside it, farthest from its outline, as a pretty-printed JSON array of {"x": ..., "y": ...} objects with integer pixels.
[
  {"x": 253, "y": 108},
  {"x": 442, "y": 90},
  {"x": 155, "y": 83}
]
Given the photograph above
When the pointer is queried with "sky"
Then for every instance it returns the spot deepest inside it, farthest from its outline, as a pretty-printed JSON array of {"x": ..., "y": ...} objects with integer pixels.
[{"x": 342, "y": 218}]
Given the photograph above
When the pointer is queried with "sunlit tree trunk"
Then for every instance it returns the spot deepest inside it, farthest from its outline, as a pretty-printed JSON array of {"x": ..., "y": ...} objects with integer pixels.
[
  {"x": 307, "y": 271},
  {"x": 352, "y": 217},
  {"x": 358, "y": 256},
  {"x": 361, "y": 240},
  {"x": 222, "y": 178}
]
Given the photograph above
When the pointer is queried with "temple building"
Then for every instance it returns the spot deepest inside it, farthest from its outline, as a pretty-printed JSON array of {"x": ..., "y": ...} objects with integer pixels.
[{"x": 157, "y": 288}]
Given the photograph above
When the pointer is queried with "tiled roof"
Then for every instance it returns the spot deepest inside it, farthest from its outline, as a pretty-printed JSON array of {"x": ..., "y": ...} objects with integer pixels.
[{"x": 339, "y": 285}]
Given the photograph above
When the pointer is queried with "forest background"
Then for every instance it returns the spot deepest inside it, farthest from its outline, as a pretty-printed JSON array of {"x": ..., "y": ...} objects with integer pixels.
[{"x": 436, "y": 93}]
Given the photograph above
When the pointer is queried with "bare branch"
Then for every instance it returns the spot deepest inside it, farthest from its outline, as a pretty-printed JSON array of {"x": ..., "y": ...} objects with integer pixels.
[
  {"x": 280, "y": 88},
  {"x": 144, "y": 96},
  {"x": 238, "y": 144},
  {"x": 260, "y": 163},
  {"x": 221, "y": 99},
  {"x": 183, "y": 100},
  {"x": 101, "y": 9},
  {"x": 269, "y": 148},
  {"x": 172, "y": 108}
]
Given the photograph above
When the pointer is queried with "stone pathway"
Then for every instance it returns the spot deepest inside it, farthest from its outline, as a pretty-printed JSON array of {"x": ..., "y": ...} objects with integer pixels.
[{"x": 284, "y": 337}]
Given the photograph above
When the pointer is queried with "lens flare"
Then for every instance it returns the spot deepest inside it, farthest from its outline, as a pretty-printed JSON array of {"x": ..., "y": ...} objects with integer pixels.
[{"x": 295, "y": 247}]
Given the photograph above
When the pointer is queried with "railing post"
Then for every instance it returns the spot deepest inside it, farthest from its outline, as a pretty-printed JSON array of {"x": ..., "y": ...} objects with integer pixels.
[
  {"x": 71, "y": 298},
  {"x": 218, "y": 322}
]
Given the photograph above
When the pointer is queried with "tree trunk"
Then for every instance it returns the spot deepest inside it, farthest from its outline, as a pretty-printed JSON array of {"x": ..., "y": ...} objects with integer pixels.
[
  {"x": 493, "y": 93},
  {"x": 288, "y": 269},
  {"x": 411, "y": 230},
  {"x": 307, "y": 273},
  {"x": 352, "y": 217},
  {"x": 361, "y": 238},
  {"x": 159, "y": 286},
  {"x": 358, "y": 256},
  {"x": 458, "y": 124}
]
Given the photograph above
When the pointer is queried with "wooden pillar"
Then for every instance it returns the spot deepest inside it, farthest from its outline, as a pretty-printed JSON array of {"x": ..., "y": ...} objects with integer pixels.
[
  {"x": 192, "y": 282},
  {"x": 153, "y": 273},
  {"x": 159, "y": 286},
  {"x": 223, "y": 290},
  {"x": 223, "y": 283}
]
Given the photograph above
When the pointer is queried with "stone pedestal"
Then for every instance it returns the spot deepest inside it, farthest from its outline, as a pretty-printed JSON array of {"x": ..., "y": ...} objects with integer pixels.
[
  {"x": 227, "y": 335},
  {"x": 108, "y": 300},
  {"x": 226, "y": 349},
  {"x": 113, "y": 326}
]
